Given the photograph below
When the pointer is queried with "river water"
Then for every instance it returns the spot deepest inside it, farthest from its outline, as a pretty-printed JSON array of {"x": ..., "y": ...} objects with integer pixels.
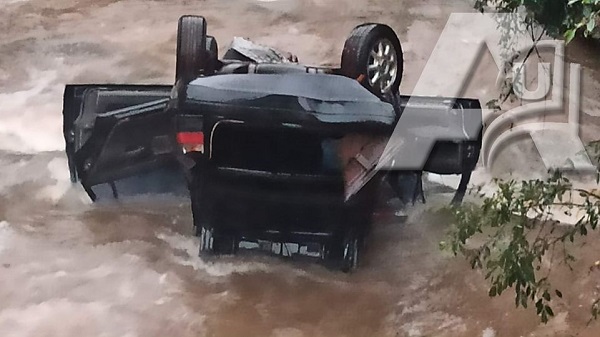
[{"x": 130, "y": 268}]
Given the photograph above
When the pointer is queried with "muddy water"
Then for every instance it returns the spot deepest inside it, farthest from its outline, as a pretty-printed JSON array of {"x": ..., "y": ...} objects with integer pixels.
[{"x": 130, "y": 268}]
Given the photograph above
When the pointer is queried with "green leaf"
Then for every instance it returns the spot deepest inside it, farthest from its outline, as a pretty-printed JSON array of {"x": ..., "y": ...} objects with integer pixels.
[
  {"x": 591, "y": 25},
  {"x": 512, "y": 258},
  {"x": 569, "y": 35},
  {"x": 524, "y": 301},
  {"x": 493, "y": 291},
  {"x": 539, "y": 306},
  {"x": 546, "y": 295}
]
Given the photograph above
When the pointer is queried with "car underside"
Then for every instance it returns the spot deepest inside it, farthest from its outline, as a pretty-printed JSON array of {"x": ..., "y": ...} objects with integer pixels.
[{"x": 269, "y": 149}]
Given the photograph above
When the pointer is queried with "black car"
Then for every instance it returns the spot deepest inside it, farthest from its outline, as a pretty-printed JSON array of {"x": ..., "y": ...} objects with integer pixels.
[{"x": 271, "y": 149}]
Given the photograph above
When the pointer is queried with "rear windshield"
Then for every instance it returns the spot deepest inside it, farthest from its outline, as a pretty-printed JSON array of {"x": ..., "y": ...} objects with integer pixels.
[{"x": 278, "y": 150}]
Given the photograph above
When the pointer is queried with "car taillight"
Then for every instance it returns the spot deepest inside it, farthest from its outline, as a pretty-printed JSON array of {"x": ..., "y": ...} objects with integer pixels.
[{"x": 191, "y": 141}]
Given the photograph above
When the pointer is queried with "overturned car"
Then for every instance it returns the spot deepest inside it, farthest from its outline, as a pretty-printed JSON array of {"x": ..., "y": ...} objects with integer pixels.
[{"x": 271, "y": 149}]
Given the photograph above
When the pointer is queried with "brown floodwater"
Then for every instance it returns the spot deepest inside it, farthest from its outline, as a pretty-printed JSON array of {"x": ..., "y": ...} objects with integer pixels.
[{"x": 130, "y": 267}]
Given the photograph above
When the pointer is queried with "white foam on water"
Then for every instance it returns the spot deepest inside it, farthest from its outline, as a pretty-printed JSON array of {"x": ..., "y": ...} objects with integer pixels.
[
  {"x": 488, "y": 332},
  {"x": 31, "y": 120},
  {"x": 446, "y": 180},
  {"x": 13, "y": 173},
  {"x": 287, "y": 332},
  {"x": 58, "y": 171},
  {"x": 218, "y": 269},
  {"x": 5, "y": 235},
  {"x": 57, "y": 287},
  {"x": 433, "y": 324}
]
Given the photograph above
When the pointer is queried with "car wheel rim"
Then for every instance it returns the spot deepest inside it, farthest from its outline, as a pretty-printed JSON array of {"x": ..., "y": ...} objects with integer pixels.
[
  {"x": 206, "y": 239},
  {"x": 382, "y": 68},
  {"x": 351, "y": 254}
]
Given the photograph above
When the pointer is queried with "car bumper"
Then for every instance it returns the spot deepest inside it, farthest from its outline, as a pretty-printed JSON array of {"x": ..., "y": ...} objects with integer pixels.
[{"x": 286, "y": 207}]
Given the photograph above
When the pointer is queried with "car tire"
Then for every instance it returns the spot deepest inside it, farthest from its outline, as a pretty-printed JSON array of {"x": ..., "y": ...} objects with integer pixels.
[
  {"x": 212, "y": 241},
  {"x": 192, "y": 57},
  {"x": 206, "y": 240},
  {"x": 213, "y": 55},
  {"x": 215, "y": 243},
  {"x": 199, "y": 218},
  {"x": 373, "y": 55},
  {"x": 343, "y": 253},
  {"x": 350, "y": 253},
  {"x": 224, "y": 244},
  {"x": 212, "y": 47}
]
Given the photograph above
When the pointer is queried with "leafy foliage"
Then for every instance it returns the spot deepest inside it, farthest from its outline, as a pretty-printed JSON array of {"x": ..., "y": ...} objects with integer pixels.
[
  {"x": 514, "y": 239},
  {"x": 556, "y": 18},
  {"x": 512, "y": 235},
  {"x": 559, "y": 18}
]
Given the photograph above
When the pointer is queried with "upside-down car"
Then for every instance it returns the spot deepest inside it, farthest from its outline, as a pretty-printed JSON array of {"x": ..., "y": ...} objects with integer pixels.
[{"x": 270, "y": 149}]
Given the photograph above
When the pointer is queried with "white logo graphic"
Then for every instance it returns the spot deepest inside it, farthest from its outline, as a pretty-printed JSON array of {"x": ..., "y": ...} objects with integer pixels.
[{"x": 464, "y": 39}]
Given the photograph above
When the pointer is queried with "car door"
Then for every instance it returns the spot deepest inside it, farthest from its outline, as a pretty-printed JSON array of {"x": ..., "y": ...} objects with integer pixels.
[{"x": 114, "y": 132}]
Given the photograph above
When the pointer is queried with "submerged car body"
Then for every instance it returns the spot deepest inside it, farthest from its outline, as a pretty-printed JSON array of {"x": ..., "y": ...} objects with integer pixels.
[{"x": 269, "y": 151}]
